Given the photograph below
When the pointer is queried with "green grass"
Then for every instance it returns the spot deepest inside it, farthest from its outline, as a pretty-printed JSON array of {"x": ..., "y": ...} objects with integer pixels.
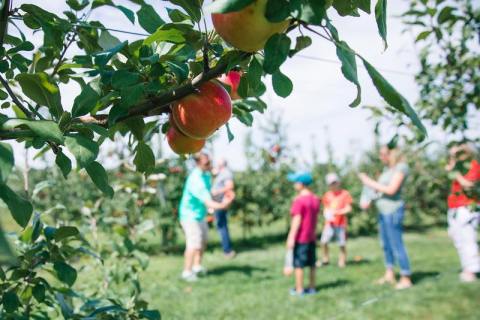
[{"x": 252, "y": 287}]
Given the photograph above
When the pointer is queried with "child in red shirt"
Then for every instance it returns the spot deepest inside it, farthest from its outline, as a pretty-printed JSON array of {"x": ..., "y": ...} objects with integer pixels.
[
  {"x": 302, "y": 236},
  {"x": 337, "y": 203}
]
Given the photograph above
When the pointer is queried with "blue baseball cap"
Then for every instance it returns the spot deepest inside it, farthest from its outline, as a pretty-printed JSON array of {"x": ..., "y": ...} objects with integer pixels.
[{"x": 304, "y": 178}]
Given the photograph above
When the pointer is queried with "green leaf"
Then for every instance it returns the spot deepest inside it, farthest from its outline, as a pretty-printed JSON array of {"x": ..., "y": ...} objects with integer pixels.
[
  {"x": 148, "y": 18},
  {"x": 45, "y": 129},
  {"x": 65, "y": 232},
  {"x": 381, "y": 17},
  {"x": 241, "y": 114},
  {"x": 84, "y": 149},
  {"x": 100, "y": 178},
  {"x": 6, "y": 254},
  {"x": 349, "y": 68},
  {"x": 346, "y": 7},
  {"x": 20, "y": 208},
  {"x": 7, "y": 161},
  {"x": 128, "y": 13},
  {"x": 423, "y": 35},
  {"x": 226, "y": 6},
  {"x": 282, "y": 85},
  {"x": 85, "y": 101},
  {"x": 445, "y": 14},
  {"x": 37, "y": 86},
  {"x": 107, "y": 41},
  {"x": 254, "y": 74},
  {"x": 76, "y": 5},
  {"x": 276, "y": 52},
  {"x": 277, "y": 10},
  {"x": 193, "y": 8},
  {"x": 102, "y": 58},
  {"x": 165, "y": 35},
  {"x": 144, "y": 158},
  {"x": 302, "y": 43},
  {"x": 136, "y": 126},
  {"x": 65, "y": 273},
  {"x": 64, "y": 163},
  {"x": 123, "y": 78},
  {"x": 309, "y": 11},
  {"x": 24, "y": 46},
  {"x": 129, "y": 97},
  {"x": 39, "y": 292},
  {"x": 392, "y": 97},
  {"x": 10, "y": 301},
  {"x": 364, "y": 5},
  {"x": 229, "y": 133}
]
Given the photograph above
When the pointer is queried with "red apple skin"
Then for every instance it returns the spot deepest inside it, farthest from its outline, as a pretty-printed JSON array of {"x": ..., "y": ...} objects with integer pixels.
[
  {"x": 199, "y": 114},
  {"x": 181, "y": 144},
  {"x": 247, "y": 29},
  {"x": 232, "y": 79}
]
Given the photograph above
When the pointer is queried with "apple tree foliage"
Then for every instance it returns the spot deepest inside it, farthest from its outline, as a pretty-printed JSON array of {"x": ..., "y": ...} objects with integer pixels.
[
  {"x": 124, "y": 87},
  {"x": 447, "y": 33}
]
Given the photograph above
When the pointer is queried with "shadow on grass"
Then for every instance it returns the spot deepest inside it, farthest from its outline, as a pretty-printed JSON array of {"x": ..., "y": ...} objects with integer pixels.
[
  {"x": 358, "y": 262},
  {"x": 419, "y": 276},
  {"x": 240, "y": 245},
  {"x": 332, "y": 284},
  {"x": 245, "y": 269}
]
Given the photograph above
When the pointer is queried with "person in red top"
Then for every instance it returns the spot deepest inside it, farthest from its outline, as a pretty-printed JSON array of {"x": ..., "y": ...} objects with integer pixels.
[
  {"x": 463, "y": 210},
  {"x": 337, "y": 203},
  {"x": 302, "y": 236}
]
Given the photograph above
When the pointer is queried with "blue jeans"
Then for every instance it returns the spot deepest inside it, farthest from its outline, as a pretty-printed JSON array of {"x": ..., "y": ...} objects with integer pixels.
[
  {"x": 391, "y": 230},
  {"x": 222, "y": 227}
]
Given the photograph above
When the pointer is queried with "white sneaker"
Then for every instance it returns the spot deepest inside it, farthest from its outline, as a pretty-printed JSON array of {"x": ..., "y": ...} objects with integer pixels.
[
  {"x": 189, "y": 276},
  {"x": 199, "y": 270},
  {"x": 467, "y": 277}
]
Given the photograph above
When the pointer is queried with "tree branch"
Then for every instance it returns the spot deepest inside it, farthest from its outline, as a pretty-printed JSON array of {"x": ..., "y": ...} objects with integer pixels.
[
  {"x": 7, "y": 87},
  {"x": 161, "y": 104}
]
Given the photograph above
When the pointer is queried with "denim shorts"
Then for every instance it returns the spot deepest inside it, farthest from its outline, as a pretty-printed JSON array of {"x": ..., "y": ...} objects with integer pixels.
[
  {"x": 304, "y": 255},
  {"x": 329, "y": 232}
]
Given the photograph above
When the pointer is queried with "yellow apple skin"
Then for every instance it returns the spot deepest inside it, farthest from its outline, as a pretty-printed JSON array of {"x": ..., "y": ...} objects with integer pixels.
[{"x": 248, "y": 29}]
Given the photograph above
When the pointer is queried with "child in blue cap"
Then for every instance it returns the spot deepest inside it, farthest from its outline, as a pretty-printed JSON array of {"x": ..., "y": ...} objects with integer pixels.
[{"x": 302, "y": 235}]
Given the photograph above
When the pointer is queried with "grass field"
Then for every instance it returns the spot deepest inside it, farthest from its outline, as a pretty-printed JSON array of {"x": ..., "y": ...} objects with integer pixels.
[{"x": 252, "y": 287}]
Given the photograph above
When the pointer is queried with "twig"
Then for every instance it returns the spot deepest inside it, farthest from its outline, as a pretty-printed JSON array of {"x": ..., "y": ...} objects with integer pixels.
[
  {"x": 15, "y": 99},
  {"x": 316, "y": 32},
  {"x": 62, "y": 55}
]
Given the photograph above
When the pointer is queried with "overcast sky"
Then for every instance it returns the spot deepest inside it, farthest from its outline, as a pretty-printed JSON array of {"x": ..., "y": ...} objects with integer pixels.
[{"x": 321, "y": 95}]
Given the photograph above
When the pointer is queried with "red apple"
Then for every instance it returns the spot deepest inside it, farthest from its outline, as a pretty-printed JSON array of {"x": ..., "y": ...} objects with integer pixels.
[
  {"x": 232, "y": 79},
  {"x": 181, "y": 144},
  {"x": 199, "y": 114},
  {"x": 247, "y": 29}
]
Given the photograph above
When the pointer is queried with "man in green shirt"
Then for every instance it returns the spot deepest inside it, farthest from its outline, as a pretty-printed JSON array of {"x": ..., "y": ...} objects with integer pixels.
[{"x": 196, "y": 200}]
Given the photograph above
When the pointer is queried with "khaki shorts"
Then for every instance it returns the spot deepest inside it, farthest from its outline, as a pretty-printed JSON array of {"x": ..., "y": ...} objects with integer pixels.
[{"x": 196, "y": 234}]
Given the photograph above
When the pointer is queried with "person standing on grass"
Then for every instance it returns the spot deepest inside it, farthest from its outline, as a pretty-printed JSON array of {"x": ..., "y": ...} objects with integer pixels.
[
  {"x": 223, "y": 184},
  {"x": 337, "y": 203},
  {"x": 391, "y": 208},
  {"x": 195, "y": 200},
  {"x": 464, "y": 210},
  {"x": 302, "y": 236}
]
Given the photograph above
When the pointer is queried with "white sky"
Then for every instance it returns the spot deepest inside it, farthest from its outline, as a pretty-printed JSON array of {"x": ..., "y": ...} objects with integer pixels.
[{"x": 321, "y": 95}]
